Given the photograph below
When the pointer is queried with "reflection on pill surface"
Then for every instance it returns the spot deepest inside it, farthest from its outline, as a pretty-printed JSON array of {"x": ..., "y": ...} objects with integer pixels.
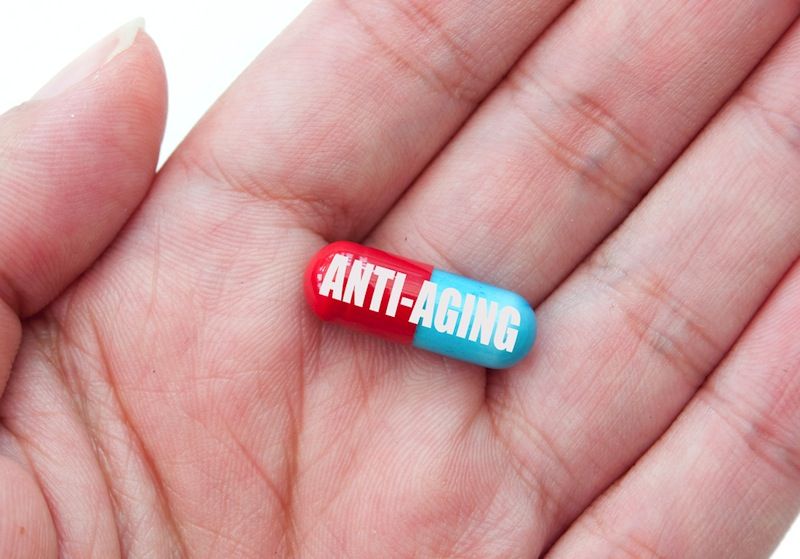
[{"x": 412, "y": 303}]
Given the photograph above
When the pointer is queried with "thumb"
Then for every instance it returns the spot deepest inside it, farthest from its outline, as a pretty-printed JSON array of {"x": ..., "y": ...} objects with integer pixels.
[{"x": 75, "y": 162}]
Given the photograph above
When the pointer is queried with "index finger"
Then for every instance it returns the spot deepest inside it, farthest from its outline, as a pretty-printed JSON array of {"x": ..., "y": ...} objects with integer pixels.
[{"x": 341, "y": 112}]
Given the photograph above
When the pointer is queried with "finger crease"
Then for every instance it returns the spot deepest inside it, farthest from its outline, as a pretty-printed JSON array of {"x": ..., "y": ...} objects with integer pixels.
[
  {"x": 686, "y": 347},
  {"x": 627, "y": 544},
  {"x": 457, "y": 88},
  {"x": 757, "y": 431},
  {"x": 306, "y": 211},
  {"x": 594, "y": 169},
  {"x": 784, "y": 124}
]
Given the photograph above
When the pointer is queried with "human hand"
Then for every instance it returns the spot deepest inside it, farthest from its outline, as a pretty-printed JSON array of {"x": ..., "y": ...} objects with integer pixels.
[{"x": 180, "y": 399}]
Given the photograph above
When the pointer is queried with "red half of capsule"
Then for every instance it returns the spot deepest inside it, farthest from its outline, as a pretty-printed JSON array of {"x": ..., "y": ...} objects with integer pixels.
[{"x": 376, "y": 322}]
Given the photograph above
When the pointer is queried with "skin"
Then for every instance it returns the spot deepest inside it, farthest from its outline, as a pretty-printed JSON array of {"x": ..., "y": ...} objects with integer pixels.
[{"x": 631, "y": 168}]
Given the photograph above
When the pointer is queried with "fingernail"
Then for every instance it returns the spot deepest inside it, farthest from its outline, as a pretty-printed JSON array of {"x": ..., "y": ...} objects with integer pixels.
[{"x": 100, "y": 54}]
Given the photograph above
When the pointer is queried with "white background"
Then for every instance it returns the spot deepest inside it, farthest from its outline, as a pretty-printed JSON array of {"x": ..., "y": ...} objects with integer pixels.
[{"x": 205, "y": 45}]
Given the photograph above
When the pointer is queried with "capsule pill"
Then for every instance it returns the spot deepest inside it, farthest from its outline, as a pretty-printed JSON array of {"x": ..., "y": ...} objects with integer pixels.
[{"x": 411, "y": 303}]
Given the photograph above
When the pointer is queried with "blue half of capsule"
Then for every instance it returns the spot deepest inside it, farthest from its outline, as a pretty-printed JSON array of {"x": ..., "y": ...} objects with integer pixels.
[{"x": 478, "y": 323}]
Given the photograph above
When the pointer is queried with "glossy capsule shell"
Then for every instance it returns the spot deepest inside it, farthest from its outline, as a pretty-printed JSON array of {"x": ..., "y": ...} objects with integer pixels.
[{"x": 411, "y": 303}]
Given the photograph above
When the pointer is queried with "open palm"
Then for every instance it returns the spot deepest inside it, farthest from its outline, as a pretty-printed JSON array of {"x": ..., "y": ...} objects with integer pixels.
[{"x": 180, "y": 399}]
